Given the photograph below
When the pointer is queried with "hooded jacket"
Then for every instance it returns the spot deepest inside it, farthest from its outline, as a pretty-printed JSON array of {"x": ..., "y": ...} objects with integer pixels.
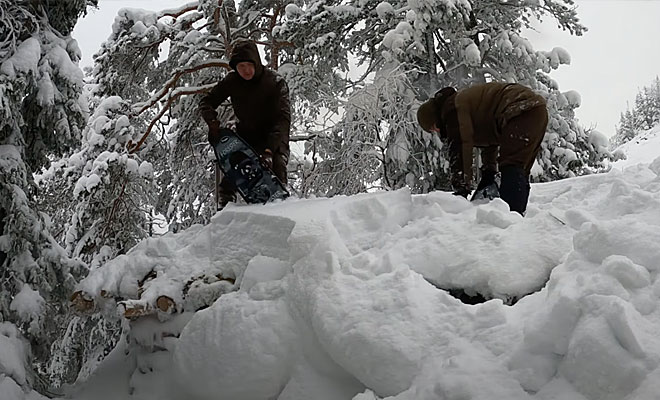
[
  {"x": 261, "y": 105},
  {"x": 475, "y": 117}
]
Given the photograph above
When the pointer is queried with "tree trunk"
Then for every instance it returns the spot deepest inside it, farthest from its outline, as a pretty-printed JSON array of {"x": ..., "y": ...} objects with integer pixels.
[
  {"x": 3, "y": 214},
  {"x": 431, "y": 63}
]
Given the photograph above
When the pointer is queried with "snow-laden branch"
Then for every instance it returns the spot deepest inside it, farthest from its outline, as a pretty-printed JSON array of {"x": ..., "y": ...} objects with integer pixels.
[
  {"x": 142, "y": 107},
  {"x": 14, "y": 19},
  {"x": 176, "y": 93},
  {"x": 177, "y": 12}
]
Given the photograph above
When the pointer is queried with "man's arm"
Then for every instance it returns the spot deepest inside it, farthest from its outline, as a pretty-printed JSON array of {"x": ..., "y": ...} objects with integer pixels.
[
  {"x": 460, "y": 149},
  {"x": 489, "y": 157},
  {"x": 282, "y": 126},
  {"x": 213, "y": 99},
  {"x": 466, "y": 133}
]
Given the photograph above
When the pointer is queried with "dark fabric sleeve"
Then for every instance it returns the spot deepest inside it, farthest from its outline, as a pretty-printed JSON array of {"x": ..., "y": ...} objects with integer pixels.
[
  {"x": 278, "y": 139},
  {"x": 456, "y": 164},
  {"x": 216, "y": 96},
  {"x": 460, "y": 150},
  {"x": 489, "y": 157}
]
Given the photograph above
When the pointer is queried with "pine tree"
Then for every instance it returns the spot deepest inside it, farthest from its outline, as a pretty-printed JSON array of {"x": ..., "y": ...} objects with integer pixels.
[
  {"x": 644, "y": 115},
  {"x": 435, "y": 44},
  {"x": 43, "y": 113}
]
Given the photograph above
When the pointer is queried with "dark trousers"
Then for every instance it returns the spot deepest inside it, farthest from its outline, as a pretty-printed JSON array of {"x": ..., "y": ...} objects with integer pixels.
[{"x": 520, "y": 143}]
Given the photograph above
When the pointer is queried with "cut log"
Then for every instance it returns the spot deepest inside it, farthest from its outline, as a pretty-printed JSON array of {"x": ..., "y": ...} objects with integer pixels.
[
  {"x": 81, "y": 302},
  {"x": 165, "y": 304},
  {"x": 135, "y": 310}
]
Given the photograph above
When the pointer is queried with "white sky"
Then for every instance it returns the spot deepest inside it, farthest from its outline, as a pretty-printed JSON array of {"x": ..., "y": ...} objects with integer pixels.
[{"x": 617, "y": 56}]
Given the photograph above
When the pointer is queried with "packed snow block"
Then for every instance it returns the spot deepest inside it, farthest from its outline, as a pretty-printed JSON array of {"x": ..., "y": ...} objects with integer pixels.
[
  {"x": 166, "y": 267},
  {"x": 649, "y": 389},
  {"x": 496, "y": 213},
  {"x": 631, "y": 275},
  {"x": 308, "y": 383},
  {"x": 263, "y": 269},
  {"x": 622, "y": 326},
  {"x": 559, "y": 389},
  {"x": 645, "y": 302},
  {"x": 607, "y": 358},
  {"x": 634, "y": 239},
  {"x": 576, "y": 217},
  {"x": 238, "y": 348},
  {"x": 625, "y": 198},
  {"x": 376, "y": 327},
  {"x": 10, "y": 390},
  {"x": 363, "y": 221},
  {"x": 655, "y": 166},
  {"x": 464, "y": 251},
  {"x": 546, "y": 338},
  {"x": 598, "y": 366},
  {"x": 366, "y": 395},
  {"x": 151, "y": 333},
  {"x": 469, "y": 372},
  {"x": 439, "y": 203}
]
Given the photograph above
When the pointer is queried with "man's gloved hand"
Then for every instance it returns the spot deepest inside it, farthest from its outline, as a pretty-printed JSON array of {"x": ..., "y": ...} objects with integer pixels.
[
  {"x": 487, "y": 188},
  {"x": 208, "y": 114},
  {"x": 214, "y": 132},
  {"x": 267, "y": 158}
]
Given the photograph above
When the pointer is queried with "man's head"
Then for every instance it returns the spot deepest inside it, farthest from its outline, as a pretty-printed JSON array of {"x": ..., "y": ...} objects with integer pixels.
[
  {"x": 246, "y": 69},
  {"x": 428, "y": 114},
  {"x": 245, "y": 59}
]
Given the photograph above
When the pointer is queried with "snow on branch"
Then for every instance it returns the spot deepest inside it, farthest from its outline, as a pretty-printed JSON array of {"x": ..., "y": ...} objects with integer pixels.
[
  {"x": 142, "y": 107},
  {"x": 177, "y": 12},
  {"x": 13, "y": 19},
  {"x": 172, "y": 94}
]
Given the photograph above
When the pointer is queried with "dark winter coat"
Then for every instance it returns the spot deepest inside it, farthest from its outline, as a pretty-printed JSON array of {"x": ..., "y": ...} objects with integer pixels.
[
  {"x": 261, "y": 105},
  {"x": 507, "y": 121}
]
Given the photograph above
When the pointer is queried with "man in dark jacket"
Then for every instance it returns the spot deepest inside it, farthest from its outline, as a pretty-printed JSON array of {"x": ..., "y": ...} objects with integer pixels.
[
  {"x": 260, "y": 98},
  {"x": 507, "y": 121}
]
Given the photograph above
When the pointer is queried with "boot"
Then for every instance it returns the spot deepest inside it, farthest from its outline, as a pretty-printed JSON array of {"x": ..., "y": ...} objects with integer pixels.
[{"x": 514, "y": 189}]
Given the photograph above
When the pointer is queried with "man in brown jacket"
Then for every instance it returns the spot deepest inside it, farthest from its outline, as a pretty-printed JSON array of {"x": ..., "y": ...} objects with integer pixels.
[
  {"x": 260, "y": 99},
  {"x": 507, "y": 121}
]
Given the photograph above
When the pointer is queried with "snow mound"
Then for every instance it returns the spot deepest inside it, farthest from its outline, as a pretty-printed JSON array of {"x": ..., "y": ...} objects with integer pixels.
[
  {"x": 14, "y": 380},
  {"x": 339, "y": 298}
]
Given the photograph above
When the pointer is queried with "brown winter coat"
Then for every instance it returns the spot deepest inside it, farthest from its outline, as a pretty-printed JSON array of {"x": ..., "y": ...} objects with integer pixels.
[
  {"x": 509, "y": 119},
  {"x": 261, "y": 104}
]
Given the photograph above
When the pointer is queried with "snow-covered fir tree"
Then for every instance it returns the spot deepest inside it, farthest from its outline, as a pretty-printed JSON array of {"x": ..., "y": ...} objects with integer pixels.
[
  {"x": 436, "y": 44},
  {"x": 101, "y": 195},
  {"x": 568, "y": 149},
  {"x": 644, "y": 115},
  {"x": 43, "y": 114},
  {"x": 166, "y": 93}
]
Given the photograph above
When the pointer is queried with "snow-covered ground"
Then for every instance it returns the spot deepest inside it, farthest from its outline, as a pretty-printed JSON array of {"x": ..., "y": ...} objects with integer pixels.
[
  {"x": 341, "y": 299},
  {"x": 336, "y": 299}
]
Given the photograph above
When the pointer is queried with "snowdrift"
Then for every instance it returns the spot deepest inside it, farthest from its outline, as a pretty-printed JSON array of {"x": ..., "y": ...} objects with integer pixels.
[
  {"x": 343, "y": 298},
  {"x": 643, "y": 148}
]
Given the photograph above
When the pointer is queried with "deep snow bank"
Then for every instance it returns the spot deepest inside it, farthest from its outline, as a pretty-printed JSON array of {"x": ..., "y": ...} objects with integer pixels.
[{"x": 333, "y": 302}]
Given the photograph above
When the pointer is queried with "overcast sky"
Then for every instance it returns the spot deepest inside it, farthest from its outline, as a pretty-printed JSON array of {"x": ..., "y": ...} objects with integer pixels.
[{"x": 609, "y": 64}]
